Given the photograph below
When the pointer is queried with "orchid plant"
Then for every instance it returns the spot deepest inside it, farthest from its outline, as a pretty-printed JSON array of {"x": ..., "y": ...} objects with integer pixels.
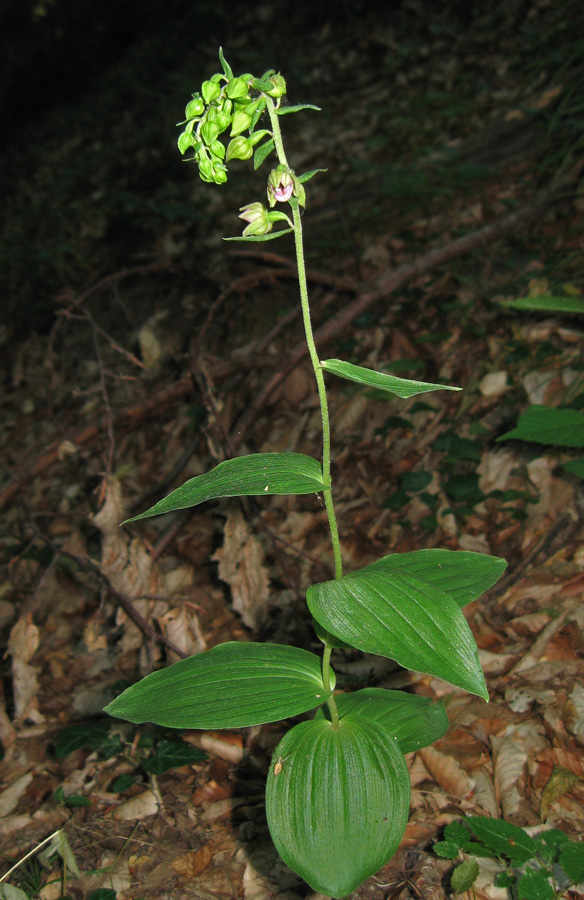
[{"x": 338, "y": 789}]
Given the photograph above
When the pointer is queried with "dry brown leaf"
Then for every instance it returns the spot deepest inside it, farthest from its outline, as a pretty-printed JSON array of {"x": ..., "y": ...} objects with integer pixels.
[
  {"x": 25, "y": 687},
  {"x": 181, "y": 626},
  {"x": 142, "y": 806},
  {"x": 10, "y": 797},
  {"x": 241, "y": 566},
  {"x": 510, "y": 761},
  {"x": 447, "y": 772},
  {"x": 574, "y": 712},
  {"x": 24, "y": 639},
  {"x": 188, "y": 865},
  {"x": 560, "y": 782},
  {"x": 225, "y": 745}
]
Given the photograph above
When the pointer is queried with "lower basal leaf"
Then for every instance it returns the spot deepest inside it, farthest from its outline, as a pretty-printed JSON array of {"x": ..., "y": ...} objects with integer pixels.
[
  {"x": 396, "y": 614},
  {"x": 337, "y": 802}
]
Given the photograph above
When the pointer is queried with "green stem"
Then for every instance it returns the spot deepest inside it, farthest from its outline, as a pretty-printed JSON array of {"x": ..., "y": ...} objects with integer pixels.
[
  {"x": 318, "y": 372},
  {"x": 326, "y": 660}
]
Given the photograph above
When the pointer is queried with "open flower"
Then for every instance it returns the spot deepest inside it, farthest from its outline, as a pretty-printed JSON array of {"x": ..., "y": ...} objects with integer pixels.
[{"x": 282, "y": 185}]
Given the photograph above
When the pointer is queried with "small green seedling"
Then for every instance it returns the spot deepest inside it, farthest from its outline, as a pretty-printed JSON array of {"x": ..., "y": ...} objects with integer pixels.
[
  {"x": 543, "y": 866},
  {"x": 341, "y": 811}
]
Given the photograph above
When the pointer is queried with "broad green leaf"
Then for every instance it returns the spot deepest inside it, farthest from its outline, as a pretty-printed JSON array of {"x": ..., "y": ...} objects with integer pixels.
[
  {"x": 575, "y": 467},
  {"x": 171, "y": 754},
  {"x": 534, "y": 885},
  {"x": 462, "y": 574},
  {"x": 284, "y": 110},
  {"x": 548, "y": 303},
  {"x": 260, "y": 474},
  {"x": 337, "y": 804},
  {"x": 464, "y": 876},
  {"x": 504, "y": 838},
  {"x": 413, "y": 721},
  {"x": 550, "y": 426},
  {"x": 572, "y": 861},
  {"x": 259, "y": 238},
  {"x": 398, "y": 615},
  {"x": 403, "y": 387},
  {"x": 231, "y": 686}
]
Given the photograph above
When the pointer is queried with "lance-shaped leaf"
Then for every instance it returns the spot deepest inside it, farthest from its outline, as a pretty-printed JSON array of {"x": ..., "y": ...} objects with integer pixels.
[
  {"x": 403, "y": 387},
  {"x": 285, "y": 110},
  {"x": 548, "y": 425},
  {"x": 260, "y": 238},
  {"x": 462, "y": 574},
  {"x": 337, "y": 802},
  {"x": 548, "y": 303},
  {"x": 413, "y": 721},
  {"x": 245, "y": 476},
  {"x": 231, "y": 686},
  {"x": 398, "y": 615}
]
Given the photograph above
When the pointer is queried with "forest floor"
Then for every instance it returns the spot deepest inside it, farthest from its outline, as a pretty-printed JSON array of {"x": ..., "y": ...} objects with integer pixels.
[{"x": 136, "y": 345}]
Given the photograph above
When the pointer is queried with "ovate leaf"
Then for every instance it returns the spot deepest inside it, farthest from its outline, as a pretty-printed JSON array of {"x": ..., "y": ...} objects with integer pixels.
[
  {"x": 403, "y": 387},
  {"x": 550, "y": 426},
  {"x": 575, "y": 467},
  {"x": 572, "y": 861},
  {"x": 504, "y": 838},
  {"x": 464, "y": 876},
  {"x": 231, "y": 686},
  {"x": 411, "y": 720},
  {"x": 446, "y": 849},
  {"x": 398, "y": 615},
  {"x": 171, "y": 754},
  {"x": 337, "y": 805},
  {"x": 11, "y": 892},
  {"x": 245, "y": 476},
  {"x": 462, "y": 574},
  {"x": 535, "y": 886}
]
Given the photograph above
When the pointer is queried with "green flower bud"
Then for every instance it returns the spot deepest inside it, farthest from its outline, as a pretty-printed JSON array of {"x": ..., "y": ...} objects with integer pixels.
[
  {"x": 279, "y": 88},
  {"x": 220, "y": 175},
  {"x": 195, "y": 108},
  {"x": 205, "y": 168},
  {"x": 257, "y": 216},
  {"x": 210, "y": 91},
  {"x": 217, "y": 149},
  {"x": 223, "y": 120},
  {"x": 209, "y": 133},
  {"x": 237, "y": 88},
  {"x": 239, "y": 148},
  {"x": 185, "y": 140},
  {"x": 241, "y": 121}
]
